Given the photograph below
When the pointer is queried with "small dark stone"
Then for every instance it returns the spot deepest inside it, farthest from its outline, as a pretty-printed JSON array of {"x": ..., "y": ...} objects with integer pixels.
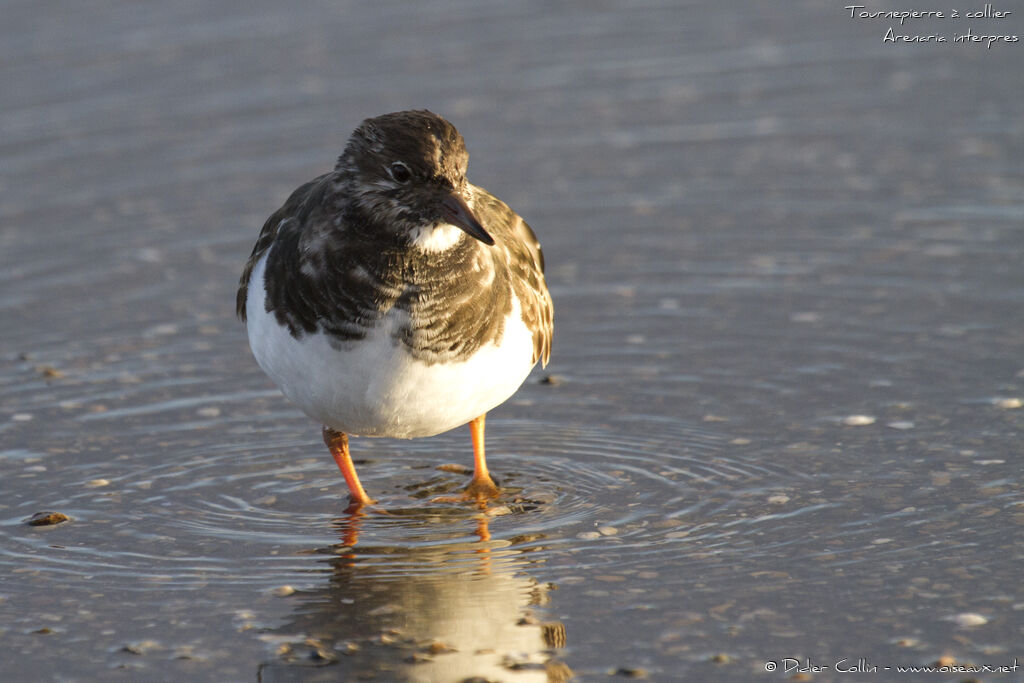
[
  {"x": 630, "y": 672},
  {"x": 553, "y": 380},
  {"x": 455, "y": 469},
  {"x": 438, "y": 647},
  {"x": 513, "y": 665},
  {"x": 49, "y": 372},
  {"x": 419, "y": 658},
  {"x": 142, "y": 647},
  {"x": 46, "y": 519},
  {"x": 323, "y": 655}
]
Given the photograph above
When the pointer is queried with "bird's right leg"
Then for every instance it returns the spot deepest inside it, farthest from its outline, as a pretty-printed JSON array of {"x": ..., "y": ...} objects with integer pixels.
[{"x": 337, "y": 442}]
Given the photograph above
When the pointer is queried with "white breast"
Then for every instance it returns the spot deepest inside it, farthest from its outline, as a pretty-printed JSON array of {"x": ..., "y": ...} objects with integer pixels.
[{"x": 374, "y": 387}]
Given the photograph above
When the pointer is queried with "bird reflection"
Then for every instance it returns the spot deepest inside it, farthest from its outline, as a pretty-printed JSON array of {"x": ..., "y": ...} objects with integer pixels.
[{"x": 441, "y": 607}]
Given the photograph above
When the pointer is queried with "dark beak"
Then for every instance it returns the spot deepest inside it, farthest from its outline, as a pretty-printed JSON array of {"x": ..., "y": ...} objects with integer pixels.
[{"x": 456, "y": 212}]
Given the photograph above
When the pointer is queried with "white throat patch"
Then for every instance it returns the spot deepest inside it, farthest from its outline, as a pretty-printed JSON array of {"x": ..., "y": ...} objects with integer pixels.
[{"x": 437, "y": 237}]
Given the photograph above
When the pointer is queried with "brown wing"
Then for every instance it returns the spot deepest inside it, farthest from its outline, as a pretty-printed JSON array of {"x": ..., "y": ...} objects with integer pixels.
[
  {"x": 291, "y": 208},
  {"x": 518, "y": 245}
]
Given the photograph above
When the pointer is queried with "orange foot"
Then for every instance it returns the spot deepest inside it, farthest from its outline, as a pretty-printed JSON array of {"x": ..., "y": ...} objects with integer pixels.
[
  {"x": 357, "y": 505},
  {"x": 479, "y": 490},
  {"x": 482, "y": 489}
]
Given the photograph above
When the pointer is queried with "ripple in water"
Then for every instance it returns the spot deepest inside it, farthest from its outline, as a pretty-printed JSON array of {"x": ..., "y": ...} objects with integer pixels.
[
  {"x": 634, "y": 494},
  {"x": 191, "y": 520}
]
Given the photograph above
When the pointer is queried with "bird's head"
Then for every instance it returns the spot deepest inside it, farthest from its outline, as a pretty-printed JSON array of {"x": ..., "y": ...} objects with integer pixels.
[{"x": 406, "y": 173}]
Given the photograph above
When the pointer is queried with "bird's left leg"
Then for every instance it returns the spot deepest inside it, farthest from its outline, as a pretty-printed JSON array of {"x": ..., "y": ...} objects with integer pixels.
[{"x": 337, "y": 442}]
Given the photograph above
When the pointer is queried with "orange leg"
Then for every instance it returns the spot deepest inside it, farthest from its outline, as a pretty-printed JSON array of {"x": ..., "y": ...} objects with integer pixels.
[
  {"x": 481, "y": 486},
  {"x": 337, "y": 442}
]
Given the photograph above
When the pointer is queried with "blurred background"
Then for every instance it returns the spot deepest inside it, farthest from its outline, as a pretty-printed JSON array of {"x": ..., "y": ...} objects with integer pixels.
[{"x": 783, "y": 417}]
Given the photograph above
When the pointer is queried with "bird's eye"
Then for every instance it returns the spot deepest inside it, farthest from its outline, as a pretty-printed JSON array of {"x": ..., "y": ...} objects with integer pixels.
[{"x": 399, "y": 172}]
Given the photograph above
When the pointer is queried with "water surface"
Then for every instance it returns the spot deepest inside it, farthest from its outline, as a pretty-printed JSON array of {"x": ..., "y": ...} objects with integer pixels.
[{"x": 787, "y": 418}]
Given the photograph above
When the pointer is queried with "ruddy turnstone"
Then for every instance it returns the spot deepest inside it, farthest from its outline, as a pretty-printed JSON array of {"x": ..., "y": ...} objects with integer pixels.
[{"x": 393, "y": 298}]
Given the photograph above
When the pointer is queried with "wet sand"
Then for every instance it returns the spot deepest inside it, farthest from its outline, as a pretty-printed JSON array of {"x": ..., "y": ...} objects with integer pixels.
[{"x": 785, "y": 257}]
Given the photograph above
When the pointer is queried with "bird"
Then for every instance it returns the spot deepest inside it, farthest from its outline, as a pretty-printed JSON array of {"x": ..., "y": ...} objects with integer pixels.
[{"x": 391, "y": 297}]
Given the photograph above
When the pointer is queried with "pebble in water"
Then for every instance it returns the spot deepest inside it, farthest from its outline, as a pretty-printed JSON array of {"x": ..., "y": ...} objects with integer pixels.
[
  {"x": 46, "y": 519},
  {"x": 858, "y": 420},
  {"x": 629, "y": 672},
  {"x": 161, "y": 330},
  {"x": 49, "y": 372},
  {"x": 455, "y": 469},
  {"x": 141, "y": 647},
  {"x": 967, "y": 619},
  {"x": 438, "y": 647}
]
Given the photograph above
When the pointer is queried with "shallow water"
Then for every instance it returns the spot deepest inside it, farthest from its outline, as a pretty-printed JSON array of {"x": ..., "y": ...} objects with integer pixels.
[{"x": 786, "y": 264}]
